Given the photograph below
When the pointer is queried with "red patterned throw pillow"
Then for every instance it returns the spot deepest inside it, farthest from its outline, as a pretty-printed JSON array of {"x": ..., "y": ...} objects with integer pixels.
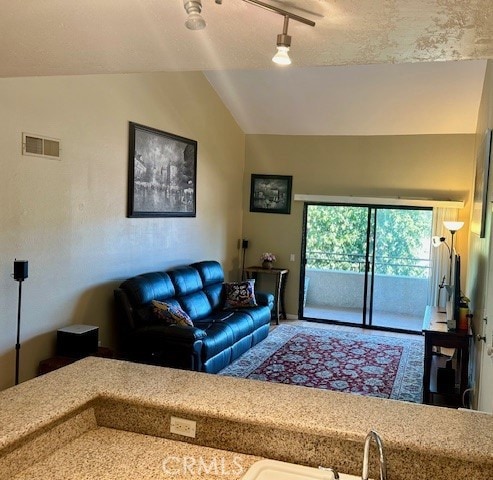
[
  {"x": 240, "y": 295},
  {"x": 171, "y": 314}
]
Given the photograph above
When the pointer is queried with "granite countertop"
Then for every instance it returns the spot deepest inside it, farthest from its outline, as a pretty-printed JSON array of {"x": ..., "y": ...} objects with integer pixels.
[
  {"x": 116, "y": 454},
  {"x": 121, "y": 388}
]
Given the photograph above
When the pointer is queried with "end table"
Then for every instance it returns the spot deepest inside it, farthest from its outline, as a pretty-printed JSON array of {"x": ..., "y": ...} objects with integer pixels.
[
  {"x": 57, "y": 362},
  {"x": 281, "y": 279}
]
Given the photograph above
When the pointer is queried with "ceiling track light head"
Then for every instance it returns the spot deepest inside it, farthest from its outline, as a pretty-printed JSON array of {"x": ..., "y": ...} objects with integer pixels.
[
  {"x": 195, "y": 21},
  {"x": 282, "y": 56},
  {"x": 283, "y": 40},
  {"x": 283, "y": 43}
]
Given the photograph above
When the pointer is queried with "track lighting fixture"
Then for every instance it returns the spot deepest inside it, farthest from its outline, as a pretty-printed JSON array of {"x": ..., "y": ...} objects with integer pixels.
[
  {"x": 283, "y": 44},
  {"x": 196, "y": 22}
]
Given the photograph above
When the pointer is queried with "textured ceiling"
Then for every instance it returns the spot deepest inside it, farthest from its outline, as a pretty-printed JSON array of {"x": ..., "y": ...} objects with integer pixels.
[
  {"x": 60, "y": 37},
  {"x": 98, "y": 36}
]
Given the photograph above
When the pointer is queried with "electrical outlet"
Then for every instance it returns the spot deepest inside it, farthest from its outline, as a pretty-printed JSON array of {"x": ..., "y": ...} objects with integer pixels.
[{"x": 184, "y": 427}]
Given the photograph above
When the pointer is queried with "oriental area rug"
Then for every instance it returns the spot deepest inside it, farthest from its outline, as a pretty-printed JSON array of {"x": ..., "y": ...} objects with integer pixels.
[{"x": 378, "y": 366}]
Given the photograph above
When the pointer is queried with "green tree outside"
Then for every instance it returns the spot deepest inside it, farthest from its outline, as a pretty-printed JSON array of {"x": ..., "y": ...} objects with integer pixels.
[{"x": 336, "y": 240}]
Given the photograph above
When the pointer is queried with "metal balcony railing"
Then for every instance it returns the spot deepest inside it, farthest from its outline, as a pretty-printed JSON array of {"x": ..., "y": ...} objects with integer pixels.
[{"x": 384, "y": 265}]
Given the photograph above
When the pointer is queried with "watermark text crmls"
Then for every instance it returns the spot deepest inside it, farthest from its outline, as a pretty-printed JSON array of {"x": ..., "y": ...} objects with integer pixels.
[{"x": 198, "y": 465}]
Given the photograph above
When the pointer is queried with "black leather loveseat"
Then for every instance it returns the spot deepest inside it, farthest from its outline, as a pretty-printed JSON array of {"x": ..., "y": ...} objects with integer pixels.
[{"x": 218, "y": 335}]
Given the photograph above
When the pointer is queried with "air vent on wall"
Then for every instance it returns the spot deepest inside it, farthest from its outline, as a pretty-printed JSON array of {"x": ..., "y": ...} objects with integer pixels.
[{"x": 39, "y": 146}]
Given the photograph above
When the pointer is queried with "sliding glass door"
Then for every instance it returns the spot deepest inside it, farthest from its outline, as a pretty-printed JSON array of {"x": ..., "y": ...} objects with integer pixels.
[
  {"x": 401, "y": 267},
  {"x": 336, "y": 260},
  {"x": 366, "y": 265}
]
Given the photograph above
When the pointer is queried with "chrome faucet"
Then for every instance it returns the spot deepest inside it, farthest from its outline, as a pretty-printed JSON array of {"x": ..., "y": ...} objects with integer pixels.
[
  {"x": 366, "y": 456},
  {"x": 334, "y": 472}
]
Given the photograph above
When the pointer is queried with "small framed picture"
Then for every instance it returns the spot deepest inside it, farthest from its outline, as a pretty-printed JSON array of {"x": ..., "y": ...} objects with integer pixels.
[
  {"x": 162, "y": 174},
  {"x": 271, "y": 193}
]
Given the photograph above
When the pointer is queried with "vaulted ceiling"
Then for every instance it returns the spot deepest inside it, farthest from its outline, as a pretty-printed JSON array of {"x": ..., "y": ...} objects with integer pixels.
[{"x": 367, "y": 67}]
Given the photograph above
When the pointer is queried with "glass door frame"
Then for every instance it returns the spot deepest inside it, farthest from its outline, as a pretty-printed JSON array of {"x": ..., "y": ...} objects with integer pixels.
[
  {"x": 367, "y": 293},
  {"x": 370, "y": 272}
]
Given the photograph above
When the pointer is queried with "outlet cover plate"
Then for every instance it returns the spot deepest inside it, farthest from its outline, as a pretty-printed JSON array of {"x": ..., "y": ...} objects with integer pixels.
[{"x": 182, "y": 426}]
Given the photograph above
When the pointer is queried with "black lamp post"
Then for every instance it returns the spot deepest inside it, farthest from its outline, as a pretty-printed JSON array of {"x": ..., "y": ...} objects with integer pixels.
[
  {"x": 244, "y": 246},
  {"x": 20, "y": 274}
]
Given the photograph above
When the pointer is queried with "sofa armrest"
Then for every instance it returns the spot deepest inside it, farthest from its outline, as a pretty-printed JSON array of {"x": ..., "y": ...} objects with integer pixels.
[
  {"x": 265, "y": 299},
  {"x": 169, "y": 346}
]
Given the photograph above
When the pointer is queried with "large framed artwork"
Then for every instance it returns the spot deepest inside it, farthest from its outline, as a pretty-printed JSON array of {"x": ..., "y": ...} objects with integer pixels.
[
  {"x": 483, "y": 161},
  {"x": 270, "y": 193},
  {"x": 162, "y": 174}
]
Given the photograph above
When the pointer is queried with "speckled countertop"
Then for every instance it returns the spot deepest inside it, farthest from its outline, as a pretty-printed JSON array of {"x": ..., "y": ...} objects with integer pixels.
[
  {"x": 105, "y": 453},
  {"x": 95, "y": 397}
]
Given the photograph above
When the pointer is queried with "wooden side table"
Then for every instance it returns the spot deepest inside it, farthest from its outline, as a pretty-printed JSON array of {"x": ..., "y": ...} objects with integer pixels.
[
  {"x": 437, "y": 335},
  {"x": 57, "y": 362},
  {"x": 281, "y": 279}
]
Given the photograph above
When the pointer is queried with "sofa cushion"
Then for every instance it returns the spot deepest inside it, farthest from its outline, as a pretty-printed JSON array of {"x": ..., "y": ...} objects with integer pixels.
[
  {"x": 186, "y": 280},
  {"x": 215, "y": 295},
  {"x": 240, "y": 294},
  {"x": 196, "y": 305},
  {"x": 142, "y": 289},
  {"x": 210, "y": 272},
  {"x": 171, "y": 314},
  {"x": 257, "y": 314},
  {"x": 224, "y": 332},
  {"x": 241, "y": 325},
  {"x": 212, "y": 276},
  {"x": 219, "y": 337}
]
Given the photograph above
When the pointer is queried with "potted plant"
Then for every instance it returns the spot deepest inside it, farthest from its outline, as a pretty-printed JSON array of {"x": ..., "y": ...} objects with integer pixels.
[{"x": 267, "y": 259}]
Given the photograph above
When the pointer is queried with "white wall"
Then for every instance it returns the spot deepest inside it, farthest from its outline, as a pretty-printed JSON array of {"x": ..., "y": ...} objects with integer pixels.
[
  {"x": 480, "y": 274},
  {"x": 68, "y": 217},
  {"x": 414, "y": 166}
]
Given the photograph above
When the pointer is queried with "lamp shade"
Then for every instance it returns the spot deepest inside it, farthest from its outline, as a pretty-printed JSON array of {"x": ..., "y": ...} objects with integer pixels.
[{"x": 453, "y": 226}]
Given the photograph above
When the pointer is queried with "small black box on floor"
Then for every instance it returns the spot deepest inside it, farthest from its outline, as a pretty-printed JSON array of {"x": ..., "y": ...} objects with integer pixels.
[{"x": 77, "y": 341}]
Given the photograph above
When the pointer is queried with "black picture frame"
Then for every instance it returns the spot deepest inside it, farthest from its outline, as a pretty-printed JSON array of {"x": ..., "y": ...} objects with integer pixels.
[
  {"x": 483, "y": 161},
  {"x": 271, "y": 193},
  {"x": 162, "y": 174}
]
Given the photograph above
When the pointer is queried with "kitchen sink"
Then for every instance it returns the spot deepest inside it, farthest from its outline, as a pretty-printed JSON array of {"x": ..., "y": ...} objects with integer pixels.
[{"x": 275, "y": 470}]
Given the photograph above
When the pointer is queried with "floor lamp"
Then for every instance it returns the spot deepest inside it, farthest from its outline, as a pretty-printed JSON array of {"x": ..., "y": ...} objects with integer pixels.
[
  {"x": 244, "y": 246},
  {"x": 438, "y": 242},
  {"x": 20, "y": 274},
  {"x": 452, "y": 227}
]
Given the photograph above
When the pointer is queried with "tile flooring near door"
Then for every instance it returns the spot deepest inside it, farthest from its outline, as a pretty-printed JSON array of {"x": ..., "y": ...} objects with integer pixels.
[{"x": 353, "y": 316}]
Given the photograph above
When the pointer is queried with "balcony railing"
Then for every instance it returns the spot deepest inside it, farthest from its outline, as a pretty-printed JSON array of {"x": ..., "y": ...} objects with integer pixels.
[
  {"x": 384, "y": 265},
  {"x": 337, "y": 280}
]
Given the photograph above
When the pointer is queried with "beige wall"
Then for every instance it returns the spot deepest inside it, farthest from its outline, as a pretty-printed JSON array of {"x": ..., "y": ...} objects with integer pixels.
[
  {"x": 480, "y": 262},
  {"x": 430, "y": 166},
  {"x": 67, "y": 218}
]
